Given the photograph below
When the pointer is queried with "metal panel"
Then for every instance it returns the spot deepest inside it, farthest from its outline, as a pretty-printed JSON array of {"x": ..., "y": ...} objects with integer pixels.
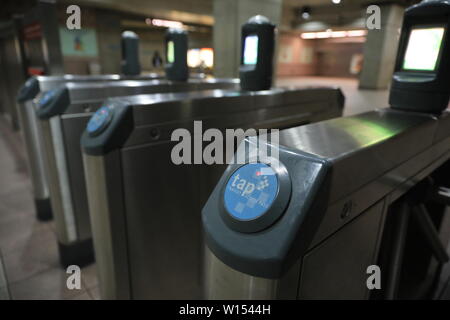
[
  {"x": 34, "y": 143},
  {"x": 71, "y": 127},
  {"x": 64, "y": 234},
  {"x": 110, "y": 240},
  {"x": 225, "y": 283},
  {"x": 156, "y": 231},
  {"x": 336, "y": 269}
]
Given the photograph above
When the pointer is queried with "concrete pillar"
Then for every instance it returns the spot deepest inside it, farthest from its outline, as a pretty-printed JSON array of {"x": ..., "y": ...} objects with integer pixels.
[
  {"x": 108, "y": 37},
  {"x": 380, "y": 49},
  {"x": 229, "y": 15}
]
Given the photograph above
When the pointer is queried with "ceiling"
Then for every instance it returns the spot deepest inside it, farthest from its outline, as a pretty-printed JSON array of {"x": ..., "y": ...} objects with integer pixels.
[
  {"x": 200, "y": 12},
  {"x": 325, "y": 14},
  {"x": 188, "y": 11},
  {"x": 361, "y": 3}
]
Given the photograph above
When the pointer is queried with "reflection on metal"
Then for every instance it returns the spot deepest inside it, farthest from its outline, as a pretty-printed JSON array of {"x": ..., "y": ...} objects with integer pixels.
[{"x": 233, "y": 284}]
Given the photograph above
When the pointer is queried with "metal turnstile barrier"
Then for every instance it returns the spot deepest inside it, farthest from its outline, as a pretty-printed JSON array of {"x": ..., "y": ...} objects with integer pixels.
[
  {"x": 28, "y": 96},
  {"x": 64, "y": 113},
  {"x": 31, "y": 131},
  {"x": 316, "y": 236},
  {"x": 144, "y": 208}
]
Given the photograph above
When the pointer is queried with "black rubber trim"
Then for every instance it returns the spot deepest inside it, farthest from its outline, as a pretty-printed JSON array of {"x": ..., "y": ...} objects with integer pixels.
[
  {"x": 80, "y": 253},
  {"x": 29, "y": 90},
  {"x": 56, "y": 106},
  {"x": 43, "y": 209},
  {"x": 115, "y": 133}
]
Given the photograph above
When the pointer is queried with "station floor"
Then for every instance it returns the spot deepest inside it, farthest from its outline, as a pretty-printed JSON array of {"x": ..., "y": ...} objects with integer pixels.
[{"x": 29, "y": 267}]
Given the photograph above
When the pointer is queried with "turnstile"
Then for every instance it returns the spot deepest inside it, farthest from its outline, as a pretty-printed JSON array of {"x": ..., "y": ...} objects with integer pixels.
[
  {"x": 27, "y": 97},
  {"x": 64, "y": 113},
  {"x": 144, "y": 208},
  {"x": 317, "y": 235}
]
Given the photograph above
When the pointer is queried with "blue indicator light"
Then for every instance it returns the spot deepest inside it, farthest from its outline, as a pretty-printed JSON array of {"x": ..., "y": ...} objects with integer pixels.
[
  {"x": 99, "y": 120},
  {"x": 46, "y": 97},
  {"x": 250, "y": 191}
]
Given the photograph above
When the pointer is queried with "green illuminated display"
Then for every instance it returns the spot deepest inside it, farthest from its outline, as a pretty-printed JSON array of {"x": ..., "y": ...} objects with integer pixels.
[
  {"x": 423, "y": 49},
  {"x": 170, "y": 52},
  {"x": 251, "y": 50}
]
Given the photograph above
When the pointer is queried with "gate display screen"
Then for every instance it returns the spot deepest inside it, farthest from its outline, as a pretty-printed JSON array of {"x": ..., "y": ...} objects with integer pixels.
[
  {"x": 422, "y": 51},
  {"x": 251, "y": 49},
  {"x": 170, "y": 52}
]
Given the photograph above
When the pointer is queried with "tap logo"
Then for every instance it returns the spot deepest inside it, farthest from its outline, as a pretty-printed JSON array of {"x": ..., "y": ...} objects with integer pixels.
[
  {"x": 250, "y": 191},
  {"x": 264, "y": 183}
]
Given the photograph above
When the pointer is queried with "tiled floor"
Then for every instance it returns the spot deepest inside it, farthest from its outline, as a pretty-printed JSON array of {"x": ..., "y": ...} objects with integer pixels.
[
  {"x": 356, "y": 101},
  {"x": 28, "y": 249}
]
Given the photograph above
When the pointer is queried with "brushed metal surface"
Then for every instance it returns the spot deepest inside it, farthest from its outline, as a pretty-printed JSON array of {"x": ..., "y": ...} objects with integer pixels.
[
  {"x": 64, "y": 234},
  {"x": 106, "y": 201},
  {"x": 32, "y": 135}
]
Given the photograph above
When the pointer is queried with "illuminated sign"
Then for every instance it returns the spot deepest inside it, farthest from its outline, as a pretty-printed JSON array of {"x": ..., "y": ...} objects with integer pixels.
[
  {"x": 423, "y": 49},
  {"x": 170, "y": 52},
  {"x": 333, "y": 34},
  {"x": 251, "y": 49},
  {"x": 164, "y": 23}
]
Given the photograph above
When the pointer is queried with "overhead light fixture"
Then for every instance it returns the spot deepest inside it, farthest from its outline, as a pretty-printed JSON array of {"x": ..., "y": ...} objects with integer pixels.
[
  {"x": 336, "y": 1},
  {"x": 305, "y": 12},
  {"x": 333, "y": 34},
  {"x": 164, "y": 23}
]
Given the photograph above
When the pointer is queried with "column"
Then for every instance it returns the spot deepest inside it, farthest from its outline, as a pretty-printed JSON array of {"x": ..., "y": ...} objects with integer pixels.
[
  {"x": 229, "y": 16},
  {"x": 380, "y": 49}
]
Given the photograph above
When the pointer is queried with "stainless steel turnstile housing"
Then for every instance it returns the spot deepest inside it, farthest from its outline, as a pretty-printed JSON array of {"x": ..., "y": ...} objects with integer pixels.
[
  {"x": 145, "y": 210},
  {"x": 33, "y": 136},
  {"x": 61, "y": 131},
  {"x": 334, "y": 233}
]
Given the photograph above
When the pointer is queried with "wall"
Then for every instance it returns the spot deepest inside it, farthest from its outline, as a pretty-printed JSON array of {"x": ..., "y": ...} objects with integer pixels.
[
  {"x": 293, "y": 57},
  {"x": 78, "y": 64},
  {"x": 334, "y": 57},
  {"x": 229, "y": 17},
  {"x": 324, "y": 57},
  {"x": 108, "y": 28},
  {"x": 108, "y": 37}
]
